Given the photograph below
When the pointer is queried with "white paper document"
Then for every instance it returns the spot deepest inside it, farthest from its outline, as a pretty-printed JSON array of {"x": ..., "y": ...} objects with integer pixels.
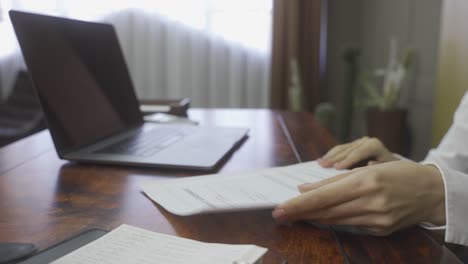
[
  {"x": 131, "y": 245},
  {"x": 259, "y": 189}
]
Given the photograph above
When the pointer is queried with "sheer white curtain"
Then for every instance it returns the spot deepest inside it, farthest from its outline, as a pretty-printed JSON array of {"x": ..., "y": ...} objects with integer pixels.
[{"x": 214, "y": 51}]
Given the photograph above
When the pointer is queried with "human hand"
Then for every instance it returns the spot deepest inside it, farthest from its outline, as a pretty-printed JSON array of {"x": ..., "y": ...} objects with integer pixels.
[
  {"x": 346, "y": 155},
  {"x": 377, "y": 199}
]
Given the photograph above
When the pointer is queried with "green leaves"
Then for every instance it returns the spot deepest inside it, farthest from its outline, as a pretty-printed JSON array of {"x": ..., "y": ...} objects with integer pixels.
[{"x": 387, "y": 97}]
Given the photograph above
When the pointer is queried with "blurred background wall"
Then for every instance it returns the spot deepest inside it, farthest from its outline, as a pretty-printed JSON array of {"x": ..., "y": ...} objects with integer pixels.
[
  {"x": 453, "y": 64},
  {"x": 367, "y": 25}
]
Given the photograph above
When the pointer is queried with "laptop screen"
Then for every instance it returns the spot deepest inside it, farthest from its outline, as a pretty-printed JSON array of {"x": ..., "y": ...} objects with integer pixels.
[{"x": 81, "y": 78}]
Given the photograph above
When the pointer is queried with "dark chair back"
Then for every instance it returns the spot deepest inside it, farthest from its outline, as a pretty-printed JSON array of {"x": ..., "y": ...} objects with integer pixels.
[{"x": 20, "y": 114}]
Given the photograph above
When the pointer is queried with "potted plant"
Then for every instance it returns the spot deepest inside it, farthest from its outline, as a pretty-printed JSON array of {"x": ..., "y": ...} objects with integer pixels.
[{"x": 385, "y": 119}]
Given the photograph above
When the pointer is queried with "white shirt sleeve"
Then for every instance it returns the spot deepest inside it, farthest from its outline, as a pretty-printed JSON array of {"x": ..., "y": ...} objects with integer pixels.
[{"x": 451, "y": 157}]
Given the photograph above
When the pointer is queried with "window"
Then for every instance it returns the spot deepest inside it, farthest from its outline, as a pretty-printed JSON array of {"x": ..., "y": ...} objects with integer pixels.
[{"x": 247, "y": 22}]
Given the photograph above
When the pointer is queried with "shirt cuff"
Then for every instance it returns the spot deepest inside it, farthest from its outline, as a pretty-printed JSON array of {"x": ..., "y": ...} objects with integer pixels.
[
  {"x": 456, "y": 206},
  {"x": 431, "y": 226}
]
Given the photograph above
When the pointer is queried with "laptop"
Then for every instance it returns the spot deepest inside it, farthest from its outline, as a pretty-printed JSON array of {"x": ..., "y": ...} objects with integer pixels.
[{"x": 84, "y": 87}]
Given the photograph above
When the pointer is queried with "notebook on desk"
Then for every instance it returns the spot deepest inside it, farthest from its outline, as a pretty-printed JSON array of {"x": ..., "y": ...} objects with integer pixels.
[{"x": 88, "y": 99}]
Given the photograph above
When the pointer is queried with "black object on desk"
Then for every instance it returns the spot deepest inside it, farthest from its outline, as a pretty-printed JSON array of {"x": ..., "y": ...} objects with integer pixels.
[
  {"x": 61, "y": 249},
  {"x": 10, "y": 252}
]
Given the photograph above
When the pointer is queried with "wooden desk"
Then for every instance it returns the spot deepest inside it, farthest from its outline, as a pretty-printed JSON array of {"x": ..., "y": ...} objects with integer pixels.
[{"x": 45, "y": 200}]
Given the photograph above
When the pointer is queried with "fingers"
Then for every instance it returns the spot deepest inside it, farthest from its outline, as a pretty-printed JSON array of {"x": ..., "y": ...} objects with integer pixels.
[
  {"x": 337, "y": 192},
  {"x": 332, "y": 215},
  {"x": 337, "y": 149},
  {"x": 355, "y": 214},
  {"x": 365, "y": 150},
  {"x": 328, "y": 160},
  {"x": 338, "y": 159},
  {"x": 367, "y": 198},
  {"x": 347, "y": 155},
  {"x": 340, "y": 152},
  {"x": 310, "y": 186}
]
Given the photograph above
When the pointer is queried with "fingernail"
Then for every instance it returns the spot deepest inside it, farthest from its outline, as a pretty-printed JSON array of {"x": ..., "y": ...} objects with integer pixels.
[
  {"x": 279, "y": 214},
  {"x": 336, "y": 165},
  {"x": 305, "y": 186},
  {"x": 325, "y": 163}
]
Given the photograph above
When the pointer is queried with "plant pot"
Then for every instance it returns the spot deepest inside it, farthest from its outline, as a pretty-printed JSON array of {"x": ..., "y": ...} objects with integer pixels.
[{"x": 389, "y": 126}]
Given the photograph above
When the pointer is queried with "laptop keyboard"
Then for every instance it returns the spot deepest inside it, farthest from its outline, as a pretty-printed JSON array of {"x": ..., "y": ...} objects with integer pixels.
[{"x": 146, "y": 143}]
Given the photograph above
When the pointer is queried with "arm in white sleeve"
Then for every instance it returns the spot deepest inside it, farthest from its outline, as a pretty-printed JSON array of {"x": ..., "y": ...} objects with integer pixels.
[
  {"x": 452, "y": 151},
  {"x": 451, "y": 157},
  {"x": 456, "y": 206}
]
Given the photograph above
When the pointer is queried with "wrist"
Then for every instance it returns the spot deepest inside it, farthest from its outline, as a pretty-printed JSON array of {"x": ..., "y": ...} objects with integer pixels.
[{"x": 437, "y": 214}]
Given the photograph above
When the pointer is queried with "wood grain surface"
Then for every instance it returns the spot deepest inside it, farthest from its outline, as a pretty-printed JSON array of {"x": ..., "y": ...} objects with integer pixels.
[{"x": 45, "y": 200}]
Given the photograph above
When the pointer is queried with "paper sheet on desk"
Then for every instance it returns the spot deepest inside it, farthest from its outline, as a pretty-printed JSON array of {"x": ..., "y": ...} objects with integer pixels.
[
  {"x": 132, "y": 245},
  {"x": 260, "y": 189}
]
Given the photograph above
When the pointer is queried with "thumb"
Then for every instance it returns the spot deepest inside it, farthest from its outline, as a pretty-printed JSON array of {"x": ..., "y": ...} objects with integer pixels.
[{"x": 315, "y": 185}]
